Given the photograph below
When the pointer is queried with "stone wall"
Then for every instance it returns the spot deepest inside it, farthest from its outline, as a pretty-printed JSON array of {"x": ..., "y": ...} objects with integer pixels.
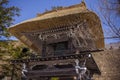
[{"x": 108, "y": 62}]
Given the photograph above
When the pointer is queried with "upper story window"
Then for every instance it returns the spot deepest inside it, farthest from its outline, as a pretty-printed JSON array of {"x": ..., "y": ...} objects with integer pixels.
[
  {"x": 61, "y": 46},
  {"x": 57, "y": 48}
]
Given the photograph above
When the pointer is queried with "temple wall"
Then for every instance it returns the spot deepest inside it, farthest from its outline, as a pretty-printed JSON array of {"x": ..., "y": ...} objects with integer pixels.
[{"x": 108, "y": 62}]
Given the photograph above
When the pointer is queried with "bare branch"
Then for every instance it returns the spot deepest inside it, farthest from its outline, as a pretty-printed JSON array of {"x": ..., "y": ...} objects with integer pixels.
[{"x": 109, "y": 17}]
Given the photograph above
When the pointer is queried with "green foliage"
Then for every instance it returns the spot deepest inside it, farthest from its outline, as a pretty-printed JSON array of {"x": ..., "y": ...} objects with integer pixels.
[
  {"x": 8, "y": 51},
  {"x": 6, "y": 16},
  {"x": 56, "y": 7}
]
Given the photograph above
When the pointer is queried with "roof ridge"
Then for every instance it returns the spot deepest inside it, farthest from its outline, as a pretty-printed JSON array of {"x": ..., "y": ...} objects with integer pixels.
[{"x": 82, "y": 4}]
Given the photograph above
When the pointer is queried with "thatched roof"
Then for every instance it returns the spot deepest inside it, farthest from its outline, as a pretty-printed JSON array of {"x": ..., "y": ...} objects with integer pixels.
[
  {"x": 59, "y": 17},
  {"x": 40, "y": 21}
]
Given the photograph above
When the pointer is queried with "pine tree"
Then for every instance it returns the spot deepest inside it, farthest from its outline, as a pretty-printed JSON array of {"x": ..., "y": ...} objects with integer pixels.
[{"x": 6, "y": 16}]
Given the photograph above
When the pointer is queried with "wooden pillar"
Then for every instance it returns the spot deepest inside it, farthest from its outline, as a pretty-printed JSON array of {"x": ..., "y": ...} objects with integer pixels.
[
  {"x": 70, "y": 46},
  {"x": 13, "y": 69},
  {"x": 44, "y": 49}
]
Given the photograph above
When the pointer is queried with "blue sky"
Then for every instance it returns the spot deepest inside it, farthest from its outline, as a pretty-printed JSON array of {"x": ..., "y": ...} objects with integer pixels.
[{"x": 29, "y": 8}]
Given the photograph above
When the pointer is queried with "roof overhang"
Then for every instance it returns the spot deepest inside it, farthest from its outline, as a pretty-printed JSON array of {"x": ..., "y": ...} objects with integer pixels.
[{"x": 56, "y": 18}]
